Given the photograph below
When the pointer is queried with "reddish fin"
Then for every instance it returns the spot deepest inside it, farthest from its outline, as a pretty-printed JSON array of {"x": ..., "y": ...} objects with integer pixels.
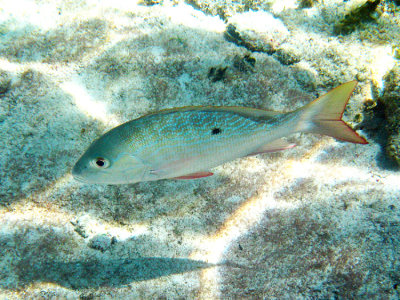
[
  {"x": 324, "y": 115},
  {"x": 339, "y": 130},
  {"x": 195, "y": 175},
  {"x": 277, "y": 145}
]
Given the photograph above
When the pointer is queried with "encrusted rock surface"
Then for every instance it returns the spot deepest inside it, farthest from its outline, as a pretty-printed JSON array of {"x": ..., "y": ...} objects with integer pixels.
[{"x": 391, "y": 99}]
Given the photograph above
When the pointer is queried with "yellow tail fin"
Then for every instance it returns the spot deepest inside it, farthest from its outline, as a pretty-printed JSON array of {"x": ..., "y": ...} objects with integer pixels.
[{"x": 324, "y": 115}]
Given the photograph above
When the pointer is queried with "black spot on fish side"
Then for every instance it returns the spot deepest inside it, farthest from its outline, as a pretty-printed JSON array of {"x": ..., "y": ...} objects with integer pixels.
[{"x": 216, "y": 131}]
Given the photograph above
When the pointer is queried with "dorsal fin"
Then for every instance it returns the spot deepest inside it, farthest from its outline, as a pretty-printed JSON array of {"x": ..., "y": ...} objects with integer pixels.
[{"x": 248, "y": 112}]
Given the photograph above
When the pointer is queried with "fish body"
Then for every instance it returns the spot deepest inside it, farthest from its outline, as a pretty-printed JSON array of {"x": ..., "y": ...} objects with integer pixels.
[{"x": 187, "y": 142}]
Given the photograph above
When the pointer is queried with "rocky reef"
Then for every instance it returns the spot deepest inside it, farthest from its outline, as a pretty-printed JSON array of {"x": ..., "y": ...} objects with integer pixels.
[{"x": 391, "y": 99}]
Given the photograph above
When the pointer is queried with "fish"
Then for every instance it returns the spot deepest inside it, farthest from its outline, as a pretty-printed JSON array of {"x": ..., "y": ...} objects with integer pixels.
[{"x": 187, "y": 142}]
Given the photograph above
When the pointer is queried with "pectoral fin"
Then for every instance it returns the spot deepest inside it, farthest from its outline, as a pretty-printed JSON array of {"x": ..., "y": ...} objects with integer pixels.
[
  {"x": 195, "y": 175},
  {"x": 277, "y": 145}
]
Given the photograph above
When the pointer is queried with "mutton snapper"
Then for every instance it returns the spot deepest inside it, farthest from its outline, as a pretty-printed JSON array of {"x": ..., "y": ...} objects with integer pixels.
[{"x": 185, "y": 143}]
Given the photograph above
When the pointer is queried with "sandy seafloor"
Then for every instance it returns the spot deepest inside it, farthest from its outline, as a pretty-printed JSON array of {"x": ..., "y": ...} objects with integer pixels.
[{"x": 320, "y": 221}]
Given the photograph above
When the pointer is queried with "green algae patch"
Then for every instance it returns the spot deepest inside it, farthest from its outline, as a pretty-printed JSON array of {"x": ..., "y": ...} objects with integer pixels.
[{"x": 367, "y": 12}]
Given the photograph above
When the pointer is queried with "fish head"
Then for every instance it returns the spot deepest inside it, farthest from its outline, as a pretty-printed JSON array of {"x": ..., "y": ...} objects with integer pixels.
[{"x": 109, "y": 160}]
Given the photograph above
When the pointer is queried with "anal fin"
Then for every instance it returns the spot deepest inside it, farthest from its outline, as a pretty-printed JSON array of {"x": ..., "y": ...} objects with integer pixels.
[{"x": 195, "y": 175}]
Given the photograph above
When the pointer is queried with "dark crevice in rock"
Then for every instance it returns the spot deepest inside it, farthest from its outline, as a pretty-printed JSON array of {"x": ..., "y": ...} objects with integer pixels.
[{"x": 232, "y": 35}]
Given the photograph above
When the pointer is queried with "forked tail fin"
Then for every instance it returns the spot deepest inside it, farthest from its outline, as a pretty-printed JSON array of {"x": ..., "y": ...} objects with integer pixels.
[{"x": 324, "y": 115}]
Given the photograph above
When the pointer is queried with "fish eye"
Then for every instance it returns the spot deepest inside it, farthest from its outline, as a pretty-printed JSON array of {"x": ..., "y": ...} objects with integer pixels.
[{"x": 101, "y": 162}]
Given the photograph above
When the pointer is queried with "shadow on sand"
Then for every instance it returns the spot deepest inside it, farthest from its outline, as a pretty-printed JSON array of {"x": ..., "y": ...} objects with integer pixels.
[{"x": 112, "y": 272}]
